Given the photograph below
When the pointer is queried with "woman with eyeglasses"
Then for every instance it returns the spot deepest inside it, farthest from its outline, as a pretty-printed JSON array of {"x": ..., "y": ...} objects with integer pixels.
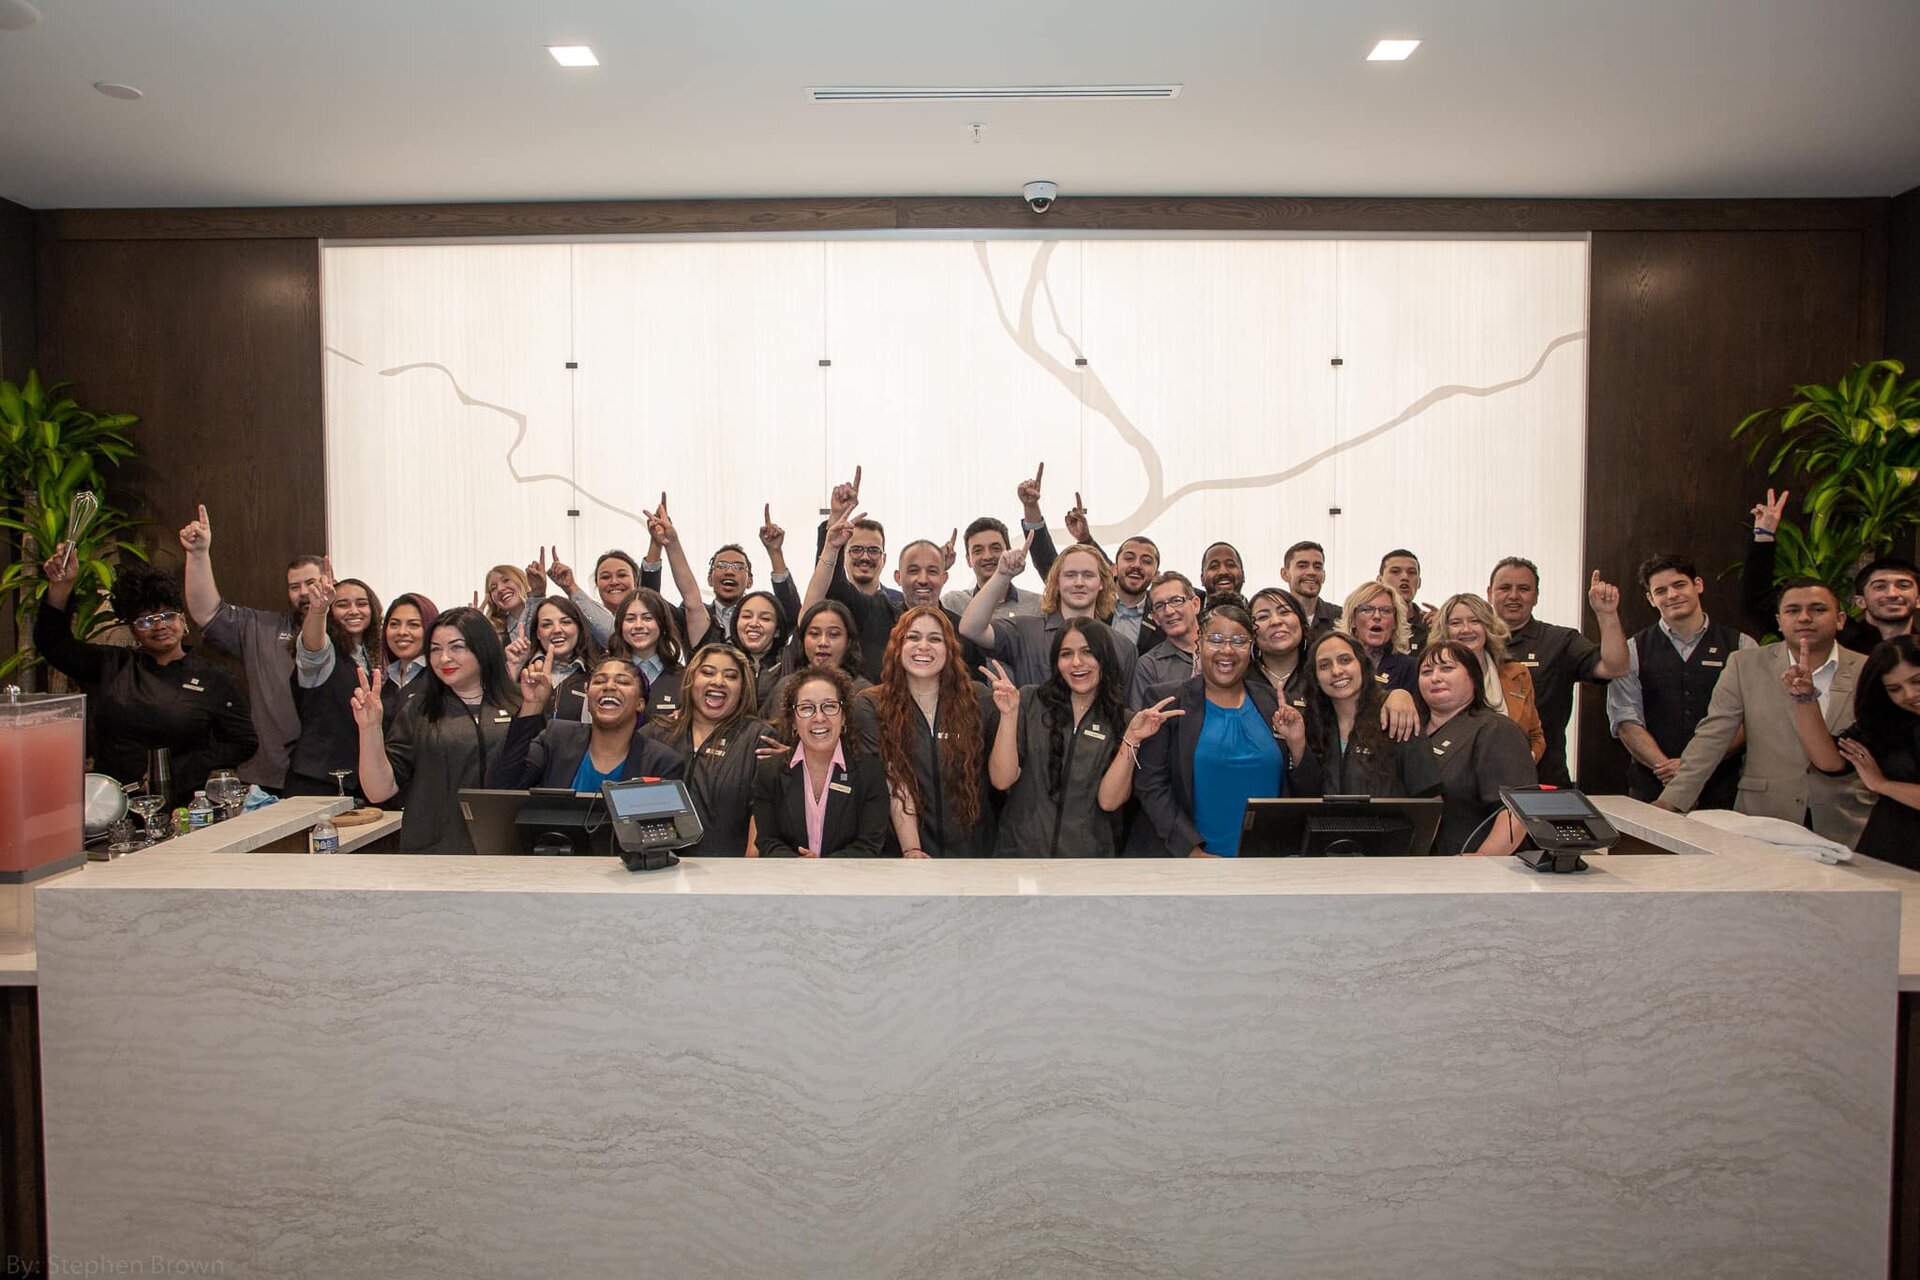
[
  {"x": 718, "y": 733},
  {"x": 1472, "y": 622},
  {"x": 827, "y": 798},
  {"x": 156, "y": 694},
  {"x": 543, "y": 751},
  {"x": 1376, "y": 616},
  {"x": 1225, "y": 748},
  {"x": 338, "y": 627},
  {"x": 443, "y": 740},
  {"x": 1062, "y": 752},
  {"x": 1477, "y": 751}
]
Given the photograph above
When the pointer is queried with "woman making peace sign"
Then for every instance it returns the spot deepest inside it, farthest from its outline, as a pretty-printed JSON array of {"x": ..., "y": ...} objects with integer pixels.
[{"x": 1058, "y": 751}]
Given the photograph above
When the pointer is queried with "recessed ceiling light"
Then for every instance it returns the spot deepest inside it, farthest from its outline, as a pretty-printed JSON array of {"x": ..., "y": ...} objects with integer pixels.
[
  {"x": 17, "y": 15},
  {"x": 1393, "y": 51},
  {"x": 573, "y": 55},
  {"x": 124, "y": 92}
]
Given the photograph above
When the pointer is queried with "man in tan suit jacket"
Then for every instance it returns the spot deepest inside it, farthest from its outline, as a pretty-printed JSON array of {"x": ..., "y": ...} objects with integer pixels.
[{"x": 1776, "y": 781}]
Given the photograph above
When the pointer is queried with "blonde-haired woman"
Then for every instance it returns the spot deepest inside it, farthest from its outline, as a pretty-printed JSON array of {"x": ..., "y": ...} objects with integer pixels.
[
  {"x": 1376, "y": 616},
  {"x": 1469, "y": 620},
  {"x": 1080, "y": 584}
]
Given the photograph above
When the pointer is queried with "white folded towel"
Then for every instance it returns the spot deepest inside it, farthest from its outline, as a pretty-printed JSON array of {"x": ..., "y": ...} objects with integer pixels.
[{"x": 1790, "y": 837}]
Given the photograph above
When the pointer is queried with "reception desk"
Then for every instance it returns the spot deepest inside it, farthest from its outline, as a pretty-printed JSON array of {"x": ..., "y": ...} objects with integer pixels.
[{"x": 393, "y": 1066}]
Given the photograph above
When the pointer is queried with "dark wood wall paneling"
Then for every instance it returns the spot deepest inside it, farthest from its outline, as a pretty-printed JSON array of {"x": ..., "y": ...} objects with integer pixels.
[
  {"x": 1903, "y": 280},
  {"x": 206, "y": 322},
  {"x": 17, "y": 340},
  {"x": 1690, "y": 331},
  {"x": 216, "y": 345}
]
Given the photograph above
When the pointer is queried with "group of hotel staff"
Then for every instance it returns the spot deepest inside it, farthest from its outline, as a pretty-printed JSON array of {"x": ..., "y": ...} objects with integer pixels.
[{"x": 1125, "y": 709}]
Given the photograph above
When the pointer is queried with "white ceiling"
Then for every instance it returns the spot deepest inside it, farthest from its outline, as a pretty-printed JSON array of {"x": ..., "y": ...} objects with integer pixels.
[{"x": 376, "y": 101}]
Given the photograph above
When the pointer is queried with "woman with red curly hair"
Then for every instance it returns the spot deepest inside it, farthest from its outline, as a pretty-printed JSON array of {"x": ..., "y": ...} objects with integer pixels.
[{"x": 932, "y": 725}]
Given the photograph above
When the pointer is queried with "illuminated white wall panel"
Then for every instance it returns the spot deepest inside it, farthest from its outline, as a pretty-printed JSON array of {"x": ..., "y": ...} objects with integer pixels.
[{"x": 1208, "y": 404}]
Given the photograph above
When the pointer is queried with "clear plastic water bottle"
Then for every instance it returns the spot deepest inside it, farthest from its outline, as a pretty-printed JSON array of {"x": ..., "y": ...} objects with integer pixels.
[
  {"x": 200, "y": 812},
  {"x": 324, "y": 838}
]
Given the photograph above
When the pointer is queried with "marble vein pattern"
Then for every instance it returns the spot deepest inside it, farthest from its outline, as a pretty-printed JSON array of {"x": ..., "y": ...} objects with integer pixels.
[{"x": 360, "y": 1082}]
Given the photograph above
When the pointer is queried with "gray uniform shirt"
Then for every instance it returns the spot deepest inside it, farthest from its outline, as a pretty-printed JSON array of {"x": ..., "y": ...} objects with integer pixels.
[{"x": 263, "y": 640}]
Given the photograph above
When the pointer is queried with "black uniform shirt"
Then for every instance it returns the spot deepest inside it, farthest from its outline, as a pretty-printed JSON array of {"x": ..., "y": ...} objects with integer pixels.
[
  {"x": 189, "y": 706},
  {"x": 1069, "y": 823}
]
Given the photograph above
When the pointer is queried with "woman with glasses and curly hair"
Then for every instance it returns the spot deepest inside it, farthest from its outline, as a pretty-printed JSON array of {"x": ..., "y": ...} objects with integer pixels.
[
  {"x": 156, "y": 694},
  {"x": 828, "y": 798},
  {"x": 1376, "y": 615}
]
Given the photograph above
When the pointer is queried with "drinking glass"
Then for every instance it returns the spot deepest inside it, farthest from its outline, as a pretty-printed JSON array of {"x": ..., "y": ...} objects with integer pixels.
[
  {"x": 340, "y": 777},
  {"x": 147, "y": 804}
]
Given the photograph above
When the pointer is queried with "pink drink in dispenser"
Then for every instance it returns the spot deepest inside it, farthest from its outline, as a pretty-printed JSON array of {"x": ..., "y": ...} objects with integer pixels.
[{"x": 43, "y": 763}]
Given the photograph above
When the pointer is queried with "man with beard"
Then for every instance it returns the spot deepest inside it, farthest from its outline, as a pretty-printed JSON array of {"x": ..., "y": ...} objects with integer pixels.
[
  {"x": 1558, "y": 658},
  {"x": 1222, "y": 571},
  {"x": 922, "y": 573},
  {"x": 987, "y": 540},
  {"x": 1776, "y": 779},
  {"x": 1304, "y": 570},
  {"x": 729, "y": 574}
]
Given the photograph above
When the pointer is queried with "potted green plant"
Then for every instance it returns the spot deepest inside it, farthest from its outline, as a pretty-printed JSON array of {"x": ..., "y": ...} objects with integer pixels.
[
  {"x": 1856, "y": 445},
  {"x": 50, "y": 450}
]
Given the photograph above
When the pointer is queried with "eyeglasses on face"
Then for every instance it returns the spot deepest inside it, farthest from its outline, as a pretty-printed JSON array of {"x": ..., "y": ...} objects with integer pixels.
[
  {"x": 808, "y": 710},
  {"x": 1219, "y": 641},
  {"x": 1374, "y": 611},
  {"x": 731, "y": 566},
  {"x": 147, "y": 622},
  {"x": 864, "y": 550},
  {"x": 1170, "y": 602}
]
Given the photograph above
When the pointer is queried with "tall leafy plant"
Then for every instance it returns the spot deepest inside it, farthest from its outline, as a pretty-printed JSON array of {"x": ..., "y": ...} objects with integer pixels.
[
  {"x": 1855, "y": 446},
  {"x": 50, "y": 450}
]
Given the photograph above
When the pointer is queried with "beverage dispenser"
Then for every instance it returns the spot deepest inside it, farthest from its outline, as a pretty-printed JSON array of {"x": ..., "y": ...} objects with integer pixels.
[{"x": 43, "y": 750}]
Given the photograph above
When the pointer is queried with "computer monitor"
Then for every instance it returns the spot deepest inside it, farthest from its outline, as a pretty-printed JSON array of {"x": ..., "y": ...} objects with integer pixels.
[
  {"x": 542, "y": 822},
  {"x": 1340, "y": 827}
]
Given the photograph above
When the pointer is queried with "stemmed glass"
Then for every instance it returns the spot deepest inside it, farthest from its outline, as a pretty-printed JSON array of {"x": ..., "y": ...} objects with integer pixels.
[
  {"x": 148, "y": 804},
  {"x": 340, "y": 777},
  {"x": 225, "y": 789}
]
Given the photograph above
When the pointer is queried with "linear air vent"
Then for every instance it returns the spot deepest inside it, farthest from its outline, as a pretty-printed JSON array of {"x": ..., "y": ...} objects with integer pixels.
[{"x": 961, "y": 93}]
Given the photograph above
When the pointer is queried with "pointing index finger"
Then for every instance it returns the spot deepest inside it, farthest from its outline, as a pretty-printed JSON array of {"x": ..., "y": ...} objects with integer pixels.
[
  {"x": 856, "y": 479},
  {"x": 766, "y": 513},
  {"x": 1039, "y": 471},
  {"x": 203, "y": 513}
]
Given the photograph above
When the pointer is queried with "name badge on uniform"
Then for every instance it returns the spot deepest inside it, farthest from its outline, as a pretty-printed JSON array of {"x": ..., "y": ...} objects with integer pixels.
[
  {"x": 1530, "y": 660},
  {"x": 1705, "y": 663},
  {"x": 841, "y": 787},
  {"x": 502, "y": 717},
  {"x": 193, "y": 686},
  {"x": 1442, "y": 748},
  {"x": 1093, "y": 731},
  {"x": 1381, "y": 677}
]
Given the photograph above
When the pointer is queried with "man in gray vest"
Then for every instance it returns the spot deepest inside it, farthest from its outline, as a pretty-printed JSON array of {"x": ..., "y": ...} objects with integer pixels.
[{"x": 1672, "y": 668}]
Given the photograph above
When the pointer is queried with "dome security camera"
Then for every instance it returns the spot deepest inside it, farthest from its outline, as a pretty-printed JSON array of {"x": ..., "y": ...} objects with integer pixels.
[{"x": 1040, "y": 195}]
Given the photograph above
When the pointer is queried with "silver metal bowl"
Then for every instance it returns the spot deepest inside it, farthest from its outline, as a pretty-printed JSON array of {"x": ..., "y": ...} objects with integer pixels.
[{"x": 105, "y": 803}]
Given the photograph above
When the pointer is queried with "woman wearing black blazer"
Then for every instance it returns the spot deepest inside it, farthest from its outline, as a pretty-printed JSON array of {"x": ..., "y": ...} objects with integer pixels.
[
  {"x": 1176, "y": 808},
  {"x": 539, "y": 752},
  {"x": 828, "y": 799}
]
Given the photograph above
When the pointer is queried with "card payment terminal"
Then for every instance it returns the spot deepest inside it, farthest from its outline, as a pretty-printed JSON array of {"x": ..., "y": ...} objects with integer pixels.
[{"x": 651, "y": 820}]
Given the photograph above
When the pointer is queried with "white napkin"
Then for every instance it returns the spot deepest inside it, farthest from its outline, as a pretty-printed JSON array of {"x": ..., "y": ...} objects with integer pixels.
[{"x": 1789, "y": 837}]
